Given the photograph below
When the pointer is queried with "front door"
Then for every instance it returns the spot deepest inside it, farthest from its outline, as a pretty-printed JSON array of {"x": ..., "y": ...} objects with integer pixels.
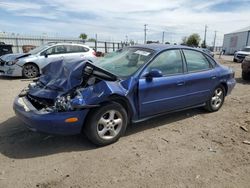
[
  {"x": 54, "y": 53},
  {"x": 165, "y": 93}
]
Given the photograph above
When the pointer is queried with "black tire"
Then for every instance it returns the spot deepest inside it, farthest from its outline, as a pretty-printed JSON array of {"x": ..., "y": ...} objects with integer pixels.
[
  {"x": 216, "y": 101},
  {"x": 234, "y": 60},
  {"x": 94, "y": 128},
  {"x": 30, "y": 70},
  {"x": 245, "y": 76}
]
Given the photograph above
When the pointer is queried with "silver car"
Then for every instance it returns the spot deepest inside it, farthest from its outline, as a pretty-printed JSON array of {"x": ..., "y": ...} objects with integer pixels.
[{"x": 30, "y": 65}]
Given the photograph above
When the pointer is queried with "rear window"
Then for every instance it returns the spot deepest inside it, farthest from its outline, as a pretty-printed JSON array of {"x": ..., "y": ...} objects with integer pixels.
[
  {"x": 196, "y": 61},
  {"x": 77, "y": 49}
]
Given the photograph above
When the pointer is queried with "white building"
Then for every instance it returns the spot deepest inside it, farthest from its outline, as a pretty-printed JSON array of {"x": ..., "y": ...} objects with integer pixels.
[{"x": 236, "y": 40}]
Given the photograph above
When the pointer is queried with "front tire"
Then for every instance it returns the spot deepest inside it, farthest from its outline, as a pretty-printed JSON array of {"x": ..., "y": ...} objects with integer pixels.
[
  {"x": 30, "y": 70},
  {"x": 217, "y": 100},
  {"x": 106, "y": 124}
]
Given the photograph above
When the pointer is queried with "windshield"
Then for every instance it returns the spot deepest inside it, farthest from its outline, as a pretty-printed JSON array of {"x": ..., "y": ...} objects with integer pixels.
[
  {"x": 125, "y": 62},
  {"x": 246, "y": 50},
  {"x": 38, "y": 49}
]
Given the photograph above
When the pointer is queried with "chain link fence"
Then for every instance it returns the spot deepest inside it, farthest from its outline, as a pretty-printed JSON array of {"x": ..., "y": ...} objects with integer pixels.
[{"x": 18, "y": 41}]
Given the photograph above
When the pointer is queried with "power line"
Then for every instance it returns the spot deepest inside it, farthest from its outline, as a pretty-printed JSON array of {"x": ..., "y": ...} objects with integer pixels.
[{"x": 145, "y": 33}]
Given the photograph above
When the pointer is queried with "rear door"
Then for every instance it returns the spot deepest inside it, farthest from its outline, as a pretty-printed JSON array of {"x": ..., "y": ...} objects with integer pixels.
[
  {"x": 201, "y": 77},
  {"x": 76, "y": 52},
  {"x": 164, "y": 93}
]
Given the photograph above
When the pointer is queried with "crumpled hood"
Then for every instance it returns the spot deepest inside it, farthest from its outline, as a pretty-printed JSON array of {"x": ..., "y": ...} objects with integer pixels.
[
  {"x": 12, "y": 57},
  {"x": 61, "y": 76},
  {"x": 58, "y": 77}
]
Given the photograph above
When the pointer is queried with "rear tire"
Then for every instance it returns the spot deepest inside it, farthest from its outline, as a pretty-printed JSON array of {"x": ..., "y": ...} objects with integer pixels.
[
  {"x": 105, "y": 125},
  {"x": 234, "y": 60},
  {"x": 30, "y": 70},
  {"x": 217, "y": 99}
]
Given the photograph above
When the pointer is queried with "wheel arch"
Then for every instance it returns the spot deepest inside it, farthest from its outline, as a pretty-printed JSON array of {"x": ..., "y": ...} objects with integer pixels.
[
  {"x": 30, "y": 62},
  {"x": 224, "y": 84},
  {"x": 123, "y": 101}
]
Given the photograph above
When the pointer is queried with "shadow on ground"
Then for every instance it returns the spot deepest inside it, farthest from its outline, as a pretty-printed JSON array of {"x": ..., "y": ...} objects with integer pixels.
[
  {"x": 17, "y": 142},
  {"x": 16, "y": 78},
  {"x": 241, "y": 81}
]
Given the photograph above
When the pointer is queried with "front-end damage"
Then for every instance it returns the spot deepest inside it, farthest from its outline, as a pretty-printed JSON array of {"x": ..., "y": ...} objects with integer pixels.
[
  {"x": 71, "y": 86},
  {"x": 59, "y": 101}
]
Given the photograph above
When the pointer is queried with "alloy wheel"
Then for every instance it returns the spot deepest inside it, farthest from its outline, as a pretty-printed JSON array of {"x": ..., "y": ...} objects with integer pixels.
[
  {"x": 109, "y": 125},
  {"x": 217, "y": 98},
  {"x": 30, "y": 71}
]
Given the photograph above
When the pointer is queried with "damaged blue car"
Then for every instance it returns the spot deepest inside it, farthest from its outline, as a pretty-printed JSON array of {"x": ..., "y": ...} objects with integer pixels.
[{"x": 130, "y": 85}]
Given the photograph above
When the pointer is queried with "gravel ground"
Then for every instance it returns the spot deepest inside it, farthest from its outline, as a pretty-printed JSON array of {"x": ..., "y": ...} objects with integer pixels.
[{"x": 186, "y": 149}]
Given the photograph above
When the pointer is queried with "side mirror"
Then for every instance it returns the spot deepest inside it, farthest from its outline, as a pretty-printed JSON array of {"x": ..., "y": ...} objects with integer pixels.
[
  {"x": 154, "y": 73},
  {"x": 44, "y": 54}
]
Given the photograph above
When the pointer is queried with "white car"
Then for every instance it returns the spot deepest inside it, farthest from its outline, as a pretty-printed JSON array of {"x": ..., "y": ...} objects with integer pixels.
[
  {"x": 239, "y": 56},
  {"x": 30, "y": 65}
]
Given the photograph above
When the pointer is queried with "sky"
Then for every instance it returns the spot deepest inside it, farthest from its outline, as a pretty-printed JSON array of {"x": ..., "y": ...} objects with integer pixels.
[{"x": 113, "y": 20}]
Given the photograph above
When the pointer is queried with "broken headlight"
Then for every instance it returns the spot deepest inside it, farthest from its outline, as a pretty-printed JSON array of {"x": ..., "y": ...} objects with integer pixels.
[{"x": 71, "y": 101}]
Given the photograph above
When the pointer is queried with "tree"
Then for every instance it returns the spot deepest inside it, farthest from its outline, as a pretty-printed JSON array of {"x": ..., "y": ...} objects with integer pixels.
[
  {"x": 83, "y": 36},
  {"x": 132, "y": 42},
  {"x": 194, "y": 40}
]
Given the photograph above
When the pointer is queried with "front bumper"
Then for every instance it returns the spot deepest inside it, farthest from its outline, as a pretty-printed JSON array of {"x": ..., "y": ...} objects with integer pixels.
[
  {"x": 53, "y": 123},
  {"x": 230, "y": 85},
  {"x": 13, "y": 70}
]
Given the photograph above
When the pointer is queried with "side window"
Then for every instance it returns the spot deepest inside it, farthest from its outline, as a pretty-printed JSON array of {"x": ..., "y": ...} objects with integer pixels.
[
  {"x": 212, "y": 62},
  {"x": 49, "y": 51},
  {"x": 196, "y": 61},
  {"x": 60, "y": 49},
  {"x": 83, "y": 49},
  {"x": 77, "y": 49},
  {"x": 169, "y": 62}
]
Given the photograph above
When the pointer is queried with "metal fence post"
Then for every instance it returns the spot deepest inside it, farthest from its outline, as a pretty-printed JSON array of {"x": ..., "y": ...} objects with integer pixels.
[
  {"x": 17, "y": 46},
  {"x": 95, "y": 45},
  {"x": 118, "y": 45},
  {"x": 105, "y": 44},
  {"x": 113, "y": 46}
]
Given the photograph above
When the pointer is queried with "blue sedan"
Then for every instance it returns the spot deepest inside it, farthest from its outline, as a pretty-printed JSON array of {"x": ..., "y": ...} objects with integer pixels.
[{"x": 130, "y": 85}]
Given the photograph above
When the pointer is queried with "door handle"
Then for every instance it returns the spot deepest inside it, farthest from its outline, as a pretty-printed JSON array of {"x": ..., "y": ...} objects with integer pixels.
[
  {"x": 213, "y": 77},
  {"x": 181, "y": 83}
]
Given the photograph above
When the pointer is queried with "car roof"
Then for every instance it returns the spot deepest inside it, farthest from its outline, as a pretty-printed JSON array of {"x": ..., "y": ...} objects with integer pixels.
[
  {"x": 66, "y": 43},
  {"x": 161, "y": 47}
]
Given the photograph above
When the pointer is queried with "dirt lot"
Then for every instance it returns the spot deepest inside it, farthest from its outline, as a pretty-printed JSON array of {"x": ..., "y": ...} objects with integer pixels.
[{"x": 188, "y": 149}]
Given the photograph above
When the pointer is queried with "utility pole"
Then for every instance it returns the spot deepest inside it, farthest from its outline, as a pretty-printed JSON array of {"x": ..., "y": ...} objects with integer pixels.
[
  {"x": 205, "y": 35},
  {"x": 145, "y": 33},
  {"x": 214, "y": 39},
  {"x": 163, "y": 33}
]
